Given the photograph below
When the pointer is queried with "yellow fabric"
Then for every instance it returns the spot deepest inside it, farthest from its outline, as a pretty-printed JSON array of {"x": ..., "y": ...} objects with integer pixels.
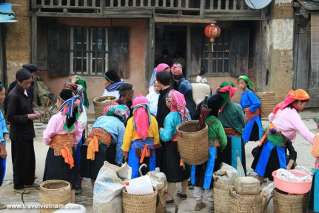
[
  {"x": 299, "y": 94},
  {"x": 67, "y": 156},
  {"x": 131, "y": 135},
  {"x": 93, "y": 146}
]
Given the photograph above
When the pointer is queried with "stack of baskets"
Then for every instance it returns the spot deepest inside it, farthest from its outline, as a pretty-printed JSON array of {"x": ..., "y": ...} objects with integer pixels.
[
  {"x": 289, "y": 203},
  {"x": 268, "y": 102},
  {"x": 222, "y": 197},
  {"x": 192, "y": 143},
  {"x": 139, "y": 203},
  {"x": 100, "y": 103}
]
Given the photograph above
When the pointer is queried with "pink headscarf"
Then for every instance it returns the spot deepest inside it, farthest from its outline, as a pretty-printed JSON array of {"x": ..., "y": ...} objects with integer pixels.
[
  {"x": 141, "y": 116},
  {"x": 293, "y": 95},
  {"x": 231, "y": 90},
  {"x": 161, "y": 67},
  {"x": 178, "y": 103}
]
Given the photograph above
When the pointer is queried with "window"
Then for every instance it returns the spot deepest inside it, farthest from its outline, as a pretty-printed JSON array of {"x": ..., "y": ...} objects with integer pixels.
[
  {"x": 218, "y": 60},
  {"x": 89, "y": 51}
]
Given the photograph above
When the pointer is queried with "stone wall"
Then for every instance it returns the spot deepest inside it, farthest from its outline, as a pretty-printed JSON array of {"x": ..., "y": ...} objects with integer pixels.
[{"x": 18, "y": 38}]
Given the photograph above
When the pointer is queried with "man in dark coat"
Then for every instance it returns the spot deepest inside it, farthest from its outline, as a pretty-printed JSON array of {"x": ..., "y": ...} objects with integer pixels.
[{"x": 20, "y": 116}]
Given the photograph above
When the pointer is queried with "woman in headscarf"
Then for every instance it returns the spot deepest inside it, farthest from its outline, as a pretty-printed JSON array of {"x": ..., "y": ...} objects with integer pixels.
[
  {"x": 112, "y": 84},
  {"x": 285, "y": 123},
  {"x": 171, "y": 164},
  {"x": 251, "y": 104},
  {"x": 232, "y": 117},
  {"x": 62, "y": 134},
  {"x": 141, "y": 137},
  {"x": 202, "y": 175},
  {"x": 105, "y": 140}
]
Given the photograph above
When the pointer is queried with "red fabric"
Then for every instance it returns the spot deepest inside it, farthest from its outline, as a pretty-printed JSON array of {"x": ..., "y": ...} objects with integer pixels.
[
  {"x": 231, "y": 90},
  {"x": 141, "y": 116}
]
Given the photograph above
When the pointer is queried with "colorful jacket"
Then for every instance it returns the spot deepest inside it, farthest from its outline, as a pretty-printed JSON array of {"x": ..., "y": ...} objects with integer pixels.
[
  {"x": 171, "y": 121},
  {"x": 216, "y": 131},
  {"x": 131, "y": 134}
]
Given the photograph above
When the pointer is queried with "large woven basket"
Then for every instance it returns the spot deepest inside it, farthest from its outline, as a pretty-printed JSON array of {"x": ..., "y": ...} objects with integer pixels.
[
  {"x": 100, "y": 102},
  {"x": 192, "y": 144},
  {"x": 54, "y": 192},
  {"x": 287, "y": 203},
  {"x": 268, "y": 102},
  {"x": 245, "y": 203},
  {"x": 221, "y": 197},
  {"x": 139, "y": 203}
]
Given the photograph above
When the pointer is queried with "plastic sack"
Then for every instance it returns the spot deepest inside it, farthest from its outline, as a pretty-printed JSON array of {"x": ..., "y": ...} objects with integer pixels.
[
  {"x": 158, "y": 179},
  {"x": 266, "y": 194},
  {"x": 108, "y": 187},
  {"x": 226, "y": 174},
  {"x": 72, "y": 207}
]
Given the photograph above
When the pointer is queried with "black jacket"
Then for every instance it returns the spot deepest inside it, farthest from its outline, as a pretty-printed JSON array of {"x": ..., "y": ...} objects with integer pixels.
[
  {"x": 18, "y": 106},
  {"x": 162, "y": 109}
]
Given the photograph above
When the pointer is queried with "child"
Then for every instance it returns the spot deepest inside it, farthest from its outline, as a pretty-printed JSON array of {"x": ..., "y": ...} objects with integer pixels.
[
  {"x": 171, "y": 163},
  {"x": 141, "y": 136},
  {"x": 4, "y": 136},
  {"x": 202, "y": 175},
  {"x": 251, "y": 104},
  {"x": 107, "y": 134},
  {"x": 62, "y": 134}
]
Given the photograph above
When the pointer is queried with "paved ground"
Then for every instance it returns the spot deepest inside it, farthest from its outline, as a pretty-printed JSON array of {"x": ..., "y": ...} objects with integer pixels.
[{"x": 7, "y": 195}]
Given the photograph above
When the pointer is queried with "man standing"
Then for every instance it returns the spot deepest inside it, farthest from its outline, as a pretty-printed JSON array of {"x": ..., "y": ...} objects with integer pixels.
[{"x": 20, "y": 116}]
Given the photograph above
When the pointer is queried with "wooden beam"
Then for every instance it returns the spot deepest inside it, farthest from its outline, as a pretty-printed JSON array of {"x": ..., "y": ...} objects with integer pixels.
[
  {"x": 188, "y": 51},
  {"x": 150, "y": 48},
  {"x": 34, "y": 39},
  {"x": 202, "y": 8},
  {"x": 162, "y": 19}
]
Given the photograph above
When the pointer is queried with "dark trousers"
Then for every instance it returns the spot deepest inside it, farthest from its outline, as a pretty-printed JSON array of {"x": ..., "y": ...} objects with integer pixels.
[{"x": 23, "y": 160}]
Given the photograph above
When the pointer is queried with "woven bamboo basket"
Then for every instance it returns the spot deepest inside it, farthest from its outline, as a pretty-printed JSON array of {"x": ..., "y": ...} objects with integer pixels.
[
  {"x": 139, "y": 203},
  {"x": 192, "y": 144},
  {"x": 245, "y": 203},
  {"x": 54, "y": 192},
  {"x": 221, "y": 197},
  {"x": 161, "y": 201},
  {"x": 100, "y": 102},
  {"x": 287, "y": 203},
  {"x": 268, "y": 102}
]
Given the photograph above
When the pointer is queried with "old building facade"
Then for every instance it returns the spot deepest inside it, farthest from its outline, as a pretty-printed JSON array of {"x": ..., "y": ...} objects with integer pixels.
[{"x": 87, "y": 37}]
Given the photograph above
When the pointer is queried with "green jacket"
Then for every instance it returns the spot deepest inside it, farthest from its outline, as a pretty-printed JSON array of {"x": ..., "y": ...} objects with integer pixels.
[{"x": 216, "y": 132}]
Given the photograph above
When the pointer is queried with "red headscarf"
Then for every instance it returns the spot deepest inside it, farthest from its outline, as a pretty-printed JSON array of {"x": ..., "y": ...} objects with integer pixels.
[
  {"x": 178, "y": 103},
  {"x": 293, "y": 95},
  {"x": 141, "y": 116}
]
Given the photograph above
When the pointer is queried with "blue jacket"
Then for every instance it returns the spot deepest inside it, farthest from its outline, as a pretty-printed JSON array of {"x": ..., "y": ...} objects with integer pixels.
[
  {"x": 172, "y": 120},
  {"x": 250, "y": 100},
  {"x": 3, "y": 128}
]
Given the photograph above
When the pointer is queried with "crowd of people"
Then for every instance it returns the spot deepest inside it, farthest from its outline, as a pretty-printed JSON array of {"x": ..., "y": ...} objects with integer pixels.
[{"x": 142, "y": 130}]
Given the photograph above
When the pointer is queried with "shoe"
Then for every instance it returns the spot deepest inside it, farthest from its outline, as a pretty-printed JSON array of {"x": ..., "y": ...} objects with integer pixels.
[
  {"x": 170, "y": 201},
  {"x": 199, "y": 206},
  {"x": 181, "y": 195},
  {"x": 2, "y": 206}
]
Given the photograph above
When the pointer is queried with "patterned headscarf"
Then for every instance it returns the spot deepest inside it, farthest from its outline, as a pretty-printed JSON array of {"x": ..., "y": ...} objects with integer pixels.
[
  {"x": 293, "y": 95},
  {"x": 141, "y": 116},
  {"x": 177, "y": 103},
  {"x": 250, "y": 83},
  {"x": 120, "y": 111}
]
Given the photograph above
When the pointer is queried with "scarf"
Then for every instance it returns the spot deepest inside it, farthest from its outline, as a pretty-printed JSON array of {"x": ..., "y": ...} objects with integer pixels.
[
  {"x": 68, "y": 107},
  {"x": 293, "y": 95},
  {"x": 120, "y": 111},
  {"x": 141, "y": 116},
  {"x": 250, "y": 83},
  {"x": 114, "y": 86},
  {"x": 227, "y": 90},
  {"x": 178, "y": 104}
]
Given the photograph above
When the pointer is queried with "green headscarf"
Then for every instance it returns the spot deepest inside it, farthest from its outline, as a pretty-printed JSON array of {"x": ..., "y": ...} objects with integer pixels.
[
  {"x": 82, "y": 82},
  {"x": 225, "y": 96},
  {"x": 250, "y": 83},
  {"x": 120, "y": 111}
]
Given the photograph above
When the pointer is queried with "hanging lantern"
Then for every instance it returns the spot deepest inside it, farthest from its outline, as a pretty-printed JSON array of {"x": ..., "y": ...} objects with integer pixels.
[{"x": 212, "y": 31}]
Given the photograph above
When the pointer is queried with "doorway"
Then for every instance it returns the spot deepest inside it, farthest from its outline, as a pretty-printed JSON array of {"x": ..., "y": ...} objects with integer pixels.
[{"x": 170, "y": 44}]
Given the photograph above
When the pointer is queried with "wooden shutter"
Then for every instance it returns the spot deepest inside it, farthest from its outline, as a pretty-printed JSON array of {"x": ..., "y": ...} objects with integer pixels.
[
  {"x": 239, "y": 51},
  {"x": 119, "y": 50},
  {"x": 58, "y": 50}
]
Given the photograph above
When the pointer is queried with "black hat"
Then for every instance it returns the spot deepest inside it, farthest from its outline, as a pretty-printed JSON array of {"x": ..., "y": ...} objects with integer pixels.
[
  {"x": 31, "y": 67},
  {"x": 23, "y": 74},
  {"x": 215, "y": 102},
  {"x": 164, "y": 78},
  {"x": 112, "y": 76}
]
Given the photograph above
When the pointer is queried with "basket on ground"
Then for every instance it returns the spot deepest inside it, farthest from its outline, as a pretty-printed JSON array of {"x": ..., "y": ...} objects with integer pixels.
[
  {"x": 221, "y": 197},
  {"x": 55, "y": 192},
  {"x": 268, "y": 102},
  {"x": 245, "y": 203},
  {"x": 287, "y": 203},
  {"x": 100, "y": 102},
  {"x": 192, "y": 143},
  {"x": 139, "y": 203}
]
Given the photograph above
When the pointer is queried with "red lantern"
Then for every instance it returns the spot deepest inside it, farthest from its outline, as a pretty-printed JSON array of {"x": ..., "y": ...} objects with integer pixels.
[{"x": 212, "y": 31}]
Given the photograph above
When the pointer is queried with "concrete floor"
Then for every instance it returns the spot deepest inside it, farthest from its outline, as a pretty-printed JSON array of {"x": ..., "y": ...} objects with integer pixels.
[{"x": 7, "y": 196}]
